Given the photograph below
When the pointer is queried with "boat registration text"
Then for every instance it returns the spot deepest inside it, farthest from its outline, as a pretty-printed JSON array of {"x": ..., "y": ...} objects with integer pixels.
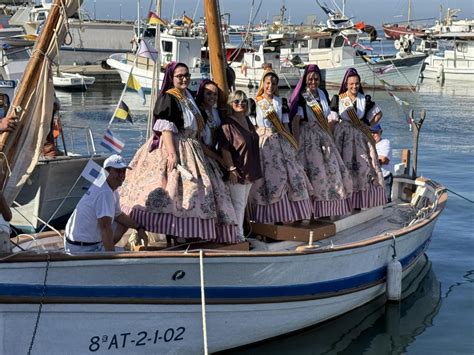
[{"x": 142, "y": 338}]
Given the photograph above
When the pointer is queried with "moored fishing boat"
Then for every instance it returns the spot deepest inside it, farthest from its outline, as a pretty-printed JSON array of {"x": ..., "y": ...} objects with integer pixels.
[{"x": 192, "y": 300}]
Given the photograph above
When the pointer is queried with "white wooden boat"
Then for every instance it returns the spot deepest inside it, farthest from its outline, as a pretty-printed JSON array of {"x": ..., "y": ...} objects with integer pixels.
[
  {"x": 197, "y": 300},
  {"x": 456, "y": 64},
  {"x": 150, "y": 301},
  {"x": 72, "y": 82},
  {"x": 334, "y": 53}
]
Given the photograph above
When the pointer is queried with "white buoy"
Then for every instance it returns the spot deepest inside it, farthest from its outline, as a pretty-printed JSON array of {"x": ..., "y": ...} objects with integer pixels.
[{"x": 394, "y": 280}]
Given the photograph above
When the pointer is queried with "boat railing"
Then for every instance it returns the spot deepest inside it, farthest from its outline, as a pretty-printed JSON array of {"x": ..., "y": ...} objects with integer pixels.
[{"x": 76, "y": 145}]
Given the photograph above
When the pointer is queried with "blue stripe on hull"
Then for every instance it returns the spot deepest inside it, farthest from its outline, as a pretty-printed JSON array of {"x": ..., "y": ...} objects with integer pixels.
[{"x": 190, "y": 293}]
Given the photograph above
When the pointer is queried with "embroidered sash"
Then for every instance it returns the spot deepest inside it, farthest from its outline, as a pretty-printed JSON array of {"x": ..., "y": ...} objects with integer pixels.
[
  {"x": 317, "y": 110},
  {"x": 354, "y": 119},
  {"x": 190, "y": 106},
  {"x": 271, "y": 115}
]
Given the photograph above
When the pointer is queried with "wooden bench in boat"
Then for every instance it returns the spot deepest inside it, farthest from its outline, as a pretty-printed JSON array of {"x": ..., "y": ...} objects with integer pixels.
[{"x": 300, "y": 231}]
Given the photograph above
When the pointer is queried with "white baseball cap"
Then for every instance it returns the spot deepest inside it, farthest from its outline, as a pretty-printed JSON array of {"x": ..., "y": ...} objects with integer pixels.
[{"x": 116, "y": 161}]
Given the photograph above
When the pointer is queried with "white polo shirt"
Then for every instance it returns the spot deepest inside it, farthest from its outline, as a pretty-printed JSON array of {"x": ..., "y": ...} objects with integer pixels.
[
  {"x": 97, "y": 202},
  {"x": 384, "y": 149}
]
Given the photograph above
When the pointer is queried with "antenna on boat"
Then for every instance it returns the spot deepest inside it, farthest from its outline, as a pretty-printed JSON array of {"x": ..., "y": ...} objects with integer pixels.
[{"x": 416, "y": 135}]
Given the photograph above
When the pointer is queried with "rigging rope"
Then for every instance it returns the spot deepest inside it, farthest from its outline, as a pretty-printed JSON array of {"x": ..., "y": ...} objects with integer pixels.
[
  {"x": 203, "y": 301},
  {"x": 40, "y": 305}
]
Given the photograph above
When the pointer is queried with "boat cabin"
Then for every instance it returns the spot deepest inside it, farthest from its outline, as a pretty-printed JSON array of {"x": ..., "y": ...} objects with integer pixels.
[{"x": 332, "y": 50}]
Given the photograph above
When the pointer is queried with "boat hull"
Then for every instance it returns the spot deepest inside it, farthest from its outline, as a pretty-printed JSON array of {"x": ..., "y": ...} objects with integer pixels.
[
  {"x": 447, "y": 69},
  {"x": 404, "y": 77},
  {"x": 396, "y": 31},
  {"x": 248, "y": 297}
]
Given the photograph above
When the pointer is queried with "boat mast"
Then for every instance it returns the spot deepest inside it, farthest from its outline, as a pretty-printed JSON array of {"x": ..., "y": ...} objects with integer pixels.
[
  {"x": 409, "y": 12},
  {"x": 216, "y": 54}
]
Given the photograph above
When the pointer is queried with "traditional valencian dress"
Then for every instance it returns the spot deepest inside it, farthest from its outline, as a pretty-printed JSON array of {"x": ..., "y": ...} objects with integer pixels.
[
  {"x": 357, "y": 148},
  {"x": 181, "y": 202},
  {"x": 283, "y": 194},
  {"x": 332, "y": 186},
  {"x": 226, "y": 226}
]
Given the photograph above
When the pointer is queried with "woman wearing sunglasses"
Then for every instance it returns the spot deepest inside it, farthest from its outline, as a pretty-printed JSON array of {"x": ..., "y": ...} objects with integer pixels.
[
  {"x": 169, "y": 190},
  {"x": 238, "y": 142},
  {"x": 283, "y": 195},
  {"x": 309, "y": 112},
  {"x": 206, "y": 99}
]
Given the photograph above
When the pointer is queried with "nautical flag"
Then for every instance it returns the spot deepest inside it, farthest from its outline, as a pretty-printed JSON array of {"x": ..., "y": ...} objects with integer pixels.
[
  {"x": 123, "y": 112},
  {"x": 398, "y": 100},
  {"x": 133, "y": 84},
  {"x": 187, "y": 20},
  {"x": 385, "y": 69},
  {"x": 111, "y": 142},
  {"x": 386, "y": 85},
  {"x": 144, "y": 50},
  {"x": 94, "y": 173},
  {"x": 154, "y": 19}
]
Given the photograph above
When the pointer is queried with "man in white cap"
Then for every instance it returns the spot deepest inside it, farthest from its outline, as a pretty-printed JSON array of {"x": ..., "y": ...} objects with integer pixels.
[
  {"x": 98, "y": 223},
  {"x": 384, "y": 151}
]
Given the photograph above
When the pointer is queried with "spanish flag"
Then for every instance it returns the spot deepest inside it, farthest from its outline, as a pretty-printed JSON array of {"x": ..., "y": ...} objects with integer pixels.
[
  {"x": 187, "y": 20},
  {"x": 133, "y": 84},
  {"x": 154, "y": 19},
  {"x": 123, "y": 112}
]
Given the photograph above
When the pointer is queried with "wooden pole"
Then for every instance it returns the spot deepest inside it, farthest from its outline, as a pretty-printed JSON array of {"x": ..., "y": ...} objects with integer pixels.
[
  {"x": 28, "y": 85},
  {"x": 216, "y": 54}
]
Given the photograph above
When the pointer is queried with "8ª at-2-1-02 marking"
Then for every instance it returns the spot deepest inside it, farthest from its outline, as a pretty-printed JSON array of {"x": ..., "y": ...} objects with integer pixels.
[{"x": 142, "y": 338}]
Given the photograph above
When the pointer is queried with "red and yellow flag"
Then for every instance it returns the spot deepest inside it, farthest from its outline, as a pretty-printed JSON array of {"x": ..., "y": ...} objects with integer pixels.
[{"x": 154, "y": 19}]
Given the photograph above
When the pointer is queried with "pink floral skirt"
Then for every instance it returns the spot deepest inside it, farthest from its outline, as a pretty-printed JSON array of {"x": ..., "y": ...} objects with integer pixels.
[
  {"x": 283, "y": 194},
  {"x": 325, "y": 169},
  {"x": 361, "y": 161},
  {"x": 167, "y": 202}
]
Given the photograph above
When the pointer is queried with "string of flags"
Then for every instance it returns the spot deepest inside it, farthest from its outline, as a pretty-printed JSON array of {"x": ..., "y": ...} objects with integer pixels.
[{"x": 111, "y": 142}]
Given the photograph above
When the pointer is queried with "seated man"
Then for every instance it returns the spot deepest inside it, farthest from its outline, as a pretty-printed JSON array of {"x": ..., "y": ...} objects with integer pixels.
[
  {"x": 98, "y": 223},
  {"x": 384, "y": 152}
]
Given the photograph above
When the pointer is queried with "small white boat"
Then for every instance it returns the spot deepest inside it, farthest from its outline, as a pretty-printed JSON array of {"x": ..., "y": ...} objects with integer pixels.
[
  {"x": 175, "y": 47},
  {"x": 456, "y": 64},
  {"x": 72, "y": 82}
]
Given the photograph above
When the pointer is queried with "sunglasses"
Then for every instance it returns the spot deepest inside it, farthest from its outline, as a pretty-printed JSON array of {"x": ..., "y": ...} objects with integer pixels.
[
  {"x": 183, "y": 76},
  {"x": 240, "y": 102}
]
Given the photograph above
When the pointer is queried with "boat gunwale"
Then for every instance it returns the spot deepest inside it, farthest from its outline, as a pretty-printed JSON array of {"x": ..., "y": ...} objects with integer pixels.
[{"x": 438, "y": 190}]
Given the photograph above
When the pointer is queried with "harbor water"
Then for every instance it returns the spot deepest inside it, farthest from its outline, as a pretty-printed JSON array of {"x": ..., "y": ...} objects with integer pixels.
[{"x": 438, "y": 315}]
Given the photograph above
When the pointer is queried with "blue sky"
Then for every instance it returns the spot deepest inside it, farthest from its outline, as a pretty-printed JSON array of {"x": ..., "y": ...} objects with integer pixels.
[{"x": 374, "y": 12}]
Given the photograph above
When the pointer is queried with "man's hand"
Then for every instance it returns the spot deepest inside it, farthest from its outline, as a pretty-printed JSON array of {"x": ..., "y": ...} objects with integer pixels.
[
  {"x": 8, "y": 123},
  {"x": 142, "y": 237}
]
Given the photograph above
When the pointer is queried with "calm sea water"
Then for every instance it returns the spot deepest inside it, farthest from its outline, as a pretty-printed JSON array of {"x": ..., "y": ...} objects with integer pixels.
[{"x": 438, "y": 316}]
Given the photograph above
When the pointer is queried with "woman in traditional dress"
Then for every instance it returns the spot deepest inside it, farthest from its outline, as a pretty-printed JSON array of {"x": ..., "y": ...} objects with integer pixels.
[
  {"x": 309, "y": 112},
  {"x": 355, "y": 142},
  {"x": 283, "y": 194},
  {"x": 238, "y": 142},
  {"x": 206, "y": 99},
  {"x": 169, "y": 190}
]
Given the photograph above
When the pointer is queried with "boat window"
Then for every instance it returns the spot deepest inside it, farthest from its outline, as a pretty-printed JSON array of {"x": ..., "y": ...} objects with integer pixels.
[
  {"x": 41, "y": 16},
  {"x": 324, "y": 43},
  {"x": 338, "y": 42},
  {"x": 167, "y": 46},
  {"x": 257, "y": 58}
]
